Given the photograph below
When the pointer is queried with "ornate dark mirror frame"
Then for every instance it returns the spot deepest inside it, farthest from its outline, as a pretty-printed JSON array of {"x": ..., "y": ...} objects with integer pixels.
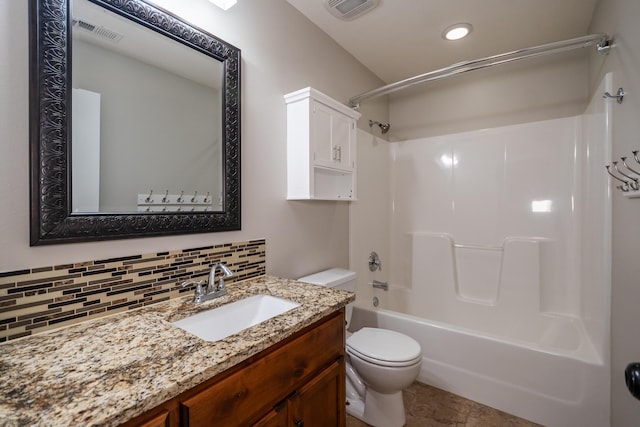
[{"x": 52, "y": 220}]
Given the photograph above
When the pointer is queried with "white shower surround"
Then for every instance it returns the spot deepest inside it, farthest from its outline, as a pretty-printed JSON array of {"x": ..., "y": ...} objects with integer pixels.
[{"x": 498, "y": 255}]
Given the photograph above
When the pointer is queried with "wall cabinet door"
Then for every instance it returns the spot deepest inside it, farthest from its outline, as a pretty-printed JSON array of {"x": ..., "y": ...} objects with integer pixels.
[
  {"x": 343, "y": 131},
  {"x": 333, "y": 138}
]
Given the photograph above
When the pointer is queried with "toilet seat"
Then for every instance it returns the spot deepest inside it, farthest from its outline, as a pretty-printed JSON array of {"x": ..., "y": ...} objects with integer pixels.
[{"x": 384, "y": 347}]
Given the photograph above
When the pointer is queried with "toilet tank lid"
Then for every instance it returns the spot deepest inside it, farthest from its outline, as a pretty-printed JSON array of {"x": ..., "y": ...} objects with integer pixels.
[{"x": 329, "y": 278}]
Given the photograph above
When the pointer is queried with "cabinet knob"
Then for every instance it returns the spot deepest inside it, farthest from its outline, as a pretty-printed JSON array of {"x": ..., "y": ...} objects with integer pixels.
[{"x": 299, "y": 423}]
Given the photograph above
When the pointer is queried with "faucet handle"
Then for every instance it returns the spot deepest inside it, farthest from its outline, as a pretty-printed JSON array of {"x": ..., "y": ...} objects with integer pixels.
[
  {"x": 191, "y": 282},
  {"x": 199, "y": 292},
  {"x": 226, "y": 272}
]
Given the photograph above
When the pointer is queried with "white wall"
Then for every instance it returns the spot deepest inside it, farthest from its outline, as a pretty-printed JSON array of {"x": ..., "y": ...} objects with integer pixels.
[
  {"x": 619, "y": 18},
  {"x": 281, "y": 52}
]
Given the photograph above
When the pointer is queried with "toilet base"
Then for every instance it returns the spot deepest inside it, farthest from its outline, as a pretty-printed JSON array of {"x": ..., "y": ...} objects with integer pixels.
[
  {"x": 379, "y": 410},
  {"x": 355, "y": 408}
]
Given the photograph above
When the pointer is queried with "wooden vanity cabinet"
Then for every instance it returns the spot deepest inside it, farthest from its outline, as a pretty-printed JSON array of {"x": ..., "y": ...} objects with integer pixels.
[{"x": 298, "y": 382}]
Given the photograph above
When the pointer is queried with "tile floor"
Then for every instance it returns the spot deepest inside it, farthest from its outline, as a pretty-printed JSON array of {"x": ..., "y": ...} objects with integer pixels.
[{"x": 431, "y": 407}]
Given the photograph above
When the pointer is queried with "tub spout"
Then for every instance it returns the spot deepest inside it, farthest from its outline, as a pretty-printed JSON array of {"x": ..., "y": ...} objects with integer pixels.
[{"x": 380, "y": 285}]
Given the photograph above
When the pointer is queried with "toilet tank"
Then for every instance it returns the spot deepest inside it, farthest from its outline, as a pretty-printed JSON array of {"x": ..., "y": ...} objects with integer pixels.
[{"x": 337, "y": 278}]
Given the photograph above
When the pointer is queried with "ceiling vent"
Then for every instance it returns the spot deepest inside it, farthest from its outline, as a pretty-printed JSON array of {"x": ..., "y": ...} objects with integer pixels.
[
  {"x": 97, "y": 30},
  {"x": 350, "y": 9}
]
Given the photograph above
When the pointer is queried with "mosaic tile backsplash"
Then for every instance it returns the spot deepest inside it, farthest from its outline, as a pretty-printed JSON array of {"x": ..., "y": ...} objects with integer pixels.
[{"x": 38, "y": 299}]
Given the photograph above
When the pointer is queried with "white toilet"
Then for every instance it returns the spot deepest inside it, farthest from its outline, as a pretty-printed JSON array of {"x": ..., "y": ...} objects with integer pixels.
[{"x": 380, "y": 364}]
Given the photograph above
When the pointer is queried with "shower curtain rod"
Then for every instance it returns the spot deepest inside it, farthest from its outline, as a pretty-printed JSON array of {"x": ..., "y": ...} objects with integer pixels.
[{"x": 602, "y": 42}]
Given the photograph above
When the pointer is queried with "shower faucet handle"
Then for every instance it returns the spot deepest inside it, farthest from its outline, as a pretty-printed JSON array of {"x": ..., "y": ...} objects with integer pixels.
[{"x": 374, "y": 262}]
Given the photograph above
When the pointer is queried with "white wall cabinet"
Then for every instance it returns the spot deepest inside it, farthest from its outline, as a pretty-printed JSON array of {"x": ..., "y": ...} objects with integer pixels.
[{"x": 321, "y": 147}]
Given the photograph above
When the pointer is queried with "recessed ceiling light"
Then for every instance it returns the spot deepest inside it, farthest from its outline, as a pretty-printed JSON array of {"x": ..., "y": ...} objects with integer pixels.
[
  {"x": 224, "y": 4},
  {"x": 457, "y": 31}
]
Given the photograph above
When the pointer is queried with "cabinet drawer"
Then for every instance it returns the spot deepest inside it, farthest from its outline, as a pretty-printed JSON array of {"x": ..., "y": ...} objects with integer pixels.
[{"x": 250, "y": 392}]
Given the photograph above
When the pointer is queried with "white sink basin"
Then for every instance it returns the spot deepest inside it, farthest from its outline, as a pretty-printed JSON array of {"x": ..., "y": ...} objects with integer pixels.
[{"x": 229, "y": 319}]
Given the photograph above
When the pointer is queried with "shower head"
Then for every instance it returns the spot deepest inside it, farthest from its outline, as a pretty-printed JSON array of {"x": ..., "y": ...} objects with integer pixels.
[{"x": 384, "y": 127}]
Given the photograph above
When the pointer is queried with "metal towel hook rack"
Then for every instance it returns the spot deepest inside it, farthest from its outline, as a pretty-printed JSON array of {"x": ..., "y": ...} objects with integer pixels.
[
  {"x": 628, "y": 176},
  {"x": 632, "y": 178},
  {"x": 624, "y": 187},
  {"x": 624, "y": 162},
  {"x": 619, "y": 96}
]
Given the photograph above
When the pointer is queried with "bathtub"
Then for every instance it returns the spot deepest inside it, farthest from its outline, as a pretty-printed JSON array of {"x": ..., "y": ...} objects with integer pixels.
[{"x": 549, "y": 374}]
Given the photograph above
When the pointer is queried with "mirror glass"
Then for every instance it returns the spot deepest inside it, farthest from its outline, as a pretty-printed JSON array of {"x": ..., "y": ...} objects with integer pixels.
[
  {"x": 146, "y": 118},
  {"x": 134, "y": 123}
]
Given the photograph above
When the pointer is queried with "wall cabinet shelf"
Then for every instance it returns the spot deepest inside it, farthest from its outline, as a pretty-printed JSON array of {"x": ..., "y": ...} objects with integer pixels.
[{"x": 321, "y": 147}]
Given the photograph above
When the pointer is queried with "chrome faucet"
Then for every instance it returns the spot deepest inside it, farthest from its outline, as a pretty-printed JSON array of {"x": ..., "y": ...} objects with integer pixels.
[
  {"x": 212, "y": 289},
  {"x": 220, "y": 287}
]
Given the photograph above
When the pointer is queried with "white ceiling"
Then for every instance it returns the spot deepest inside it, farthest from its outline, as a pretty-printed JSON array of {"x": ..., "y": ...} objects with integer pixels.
[{"x": 403, "y": 38}]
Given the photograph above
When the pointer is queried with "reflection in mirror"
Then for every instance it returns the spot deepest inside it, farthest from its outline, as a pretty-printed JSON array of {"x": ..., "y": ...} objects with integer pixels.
[
  {"x": 140, "y": 135},
  {"x": 146, "y": 116}
]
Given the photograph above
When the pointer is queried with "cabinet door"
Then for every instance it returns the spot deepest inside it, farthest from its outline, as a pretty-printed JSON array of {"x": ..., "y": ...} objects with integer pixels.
[
  {"x": 321, "y": 402},
  {"x": 342, "y": 136},
  {"x": 333, "y": 136},
  {"x": 276, "y": 418},
  {"x": 161, "y": 420},
  {"x": 324, "y": 152}
]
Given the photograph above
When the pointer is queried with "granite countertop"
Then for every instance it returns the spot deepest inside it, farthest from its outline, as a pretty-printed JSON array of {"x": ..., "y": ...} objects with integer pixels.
[{"x": 109, "y": 370}]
